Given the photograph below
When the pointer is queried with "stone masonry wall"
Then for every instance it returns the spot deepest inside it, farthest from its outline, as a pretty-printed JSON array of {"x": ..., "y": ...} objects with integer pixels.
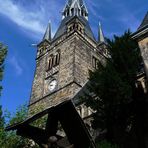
[
  {"x": 82, "y": 62},
  {"x": 54, "y": 99},
  {"x": 143, "y": 44},
  {"x": 71, "y": 75},
  {"x": 38, "y": 83},
  {"x": 66, "y": 63}
]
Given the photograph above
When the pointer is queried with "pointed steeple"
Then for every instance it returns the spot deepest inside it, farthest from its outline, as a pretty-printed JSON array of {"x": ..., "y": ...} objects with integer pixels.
[
  {"x": 47, "y": 35},
  {"x": 75, "y": 8},
  {"x": 100, "y": 34},
  {"x": 144, "y": 22}
]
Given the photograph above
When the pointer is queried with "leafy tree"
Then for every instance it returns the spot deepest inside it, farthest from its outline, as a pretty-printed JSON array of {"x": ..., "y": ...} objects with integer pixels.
[
  {"x": 20, "y": 115},
  {"x": 114, "y": 90},
  {"x": 10, "y": 139},
  {"x": 3, "y": 53},
  {"x": 105, "y": 144},
  {"x": 2, "y": 133}
]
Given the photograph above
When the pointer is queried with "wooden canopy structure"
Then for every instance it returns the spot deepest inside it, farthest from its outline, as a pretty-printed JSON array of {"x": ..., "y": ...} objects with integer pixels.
[{"x": 65, "y": 113}]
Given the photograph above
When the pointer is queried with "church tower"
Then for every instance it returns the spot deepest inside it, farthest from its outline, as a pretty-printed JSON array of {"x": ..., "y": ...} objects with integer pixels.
[{"x": 64, "y": 61}]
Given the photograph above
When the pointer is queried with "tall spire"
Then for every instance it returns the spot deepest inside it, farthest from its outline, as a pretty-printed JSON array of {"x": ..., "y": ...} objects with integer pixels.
[
  {"x": 100, "y": 34},
  {"x": 75, "y": 8},
  {"x": 47, "y": 35}
]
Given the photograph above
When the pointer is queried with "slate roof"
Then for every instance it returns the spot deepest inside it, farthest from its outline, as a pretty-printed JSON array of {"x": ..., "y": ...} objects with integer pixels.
[
  {"x": 144, "y": 22},
  {"x": 83, "y": 17},
  {"x": 143, "y": 28},
  {"x": 62, "y": 28}
]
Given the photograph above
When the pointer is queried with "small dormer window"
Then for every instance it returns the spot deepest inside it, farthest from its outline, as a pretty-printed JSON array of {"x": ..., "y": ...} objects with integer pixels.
[{"x": 75, "y": 26}]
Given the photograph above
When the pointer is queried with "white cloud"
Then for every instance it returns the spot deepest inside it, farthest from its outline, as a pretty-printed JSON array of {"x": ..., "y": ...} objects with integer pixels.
[
  {"x": 19, "y": 15},
  {"x": 31, "y": 17},
  {"x": 16, "y": 65}
]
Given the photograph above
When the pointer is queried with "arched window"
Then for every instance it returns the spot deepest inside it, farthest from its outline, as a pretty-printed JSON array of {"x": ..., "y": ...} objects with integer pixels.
[
  {"x": 67, "y": 12},
  {"x": 50, "y": 63},
  {"x": 53, "y": 61},
  {"x": 95, "y": 62},
  {"x": 79, "y": 12},
  {"x": 72, "y": 11},
  {"x": 57, "y": 57}
]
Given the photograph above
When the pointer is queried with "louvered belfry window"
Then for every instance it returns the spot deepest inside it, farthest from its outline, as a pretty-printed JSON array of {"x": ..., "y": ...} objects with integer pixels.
[{"x": 53, "y": 61}]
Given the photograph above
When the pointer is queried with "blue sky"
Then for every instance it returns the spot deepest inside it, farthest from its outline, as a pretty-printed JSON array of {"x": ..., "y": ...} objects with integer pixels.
[{"x": 23, "y": 22}]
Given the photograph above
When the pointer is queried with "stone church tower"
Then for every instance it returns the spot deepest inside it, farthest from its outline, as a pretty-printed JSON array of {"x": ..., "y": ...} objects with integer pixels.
[{"x": 64, "y": 61}]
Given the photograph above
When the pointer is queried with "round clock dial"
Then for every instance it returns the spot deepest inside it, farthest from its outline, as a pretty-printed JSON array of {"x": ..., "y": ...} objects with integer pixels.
[{"x": 52, "y": 85}]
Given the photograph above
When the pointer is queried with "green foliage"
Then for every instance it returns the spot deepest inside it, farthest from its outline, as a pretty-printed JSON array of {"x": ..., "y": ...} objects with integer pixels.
[
  {"x": 41, "y": 122},
  {"x": 113, "y": 87},
  {"x": 13, "y": 141},
  {"x": 3, "y": 53},
  {"x": 105, "y": 144},
  {"x": 20, "y": 115},
  {"x": 1, "y": 119},
  {"x": 2, "y": 133},
  {"x": 113, "y": 84},
  {"x": 9, "y": 139}
]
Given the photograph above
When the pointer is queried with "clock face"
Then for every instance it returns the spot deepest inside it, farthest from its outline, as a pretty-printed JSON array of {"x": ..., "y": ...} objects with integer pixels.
[{"x": 52, "y": 85}]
